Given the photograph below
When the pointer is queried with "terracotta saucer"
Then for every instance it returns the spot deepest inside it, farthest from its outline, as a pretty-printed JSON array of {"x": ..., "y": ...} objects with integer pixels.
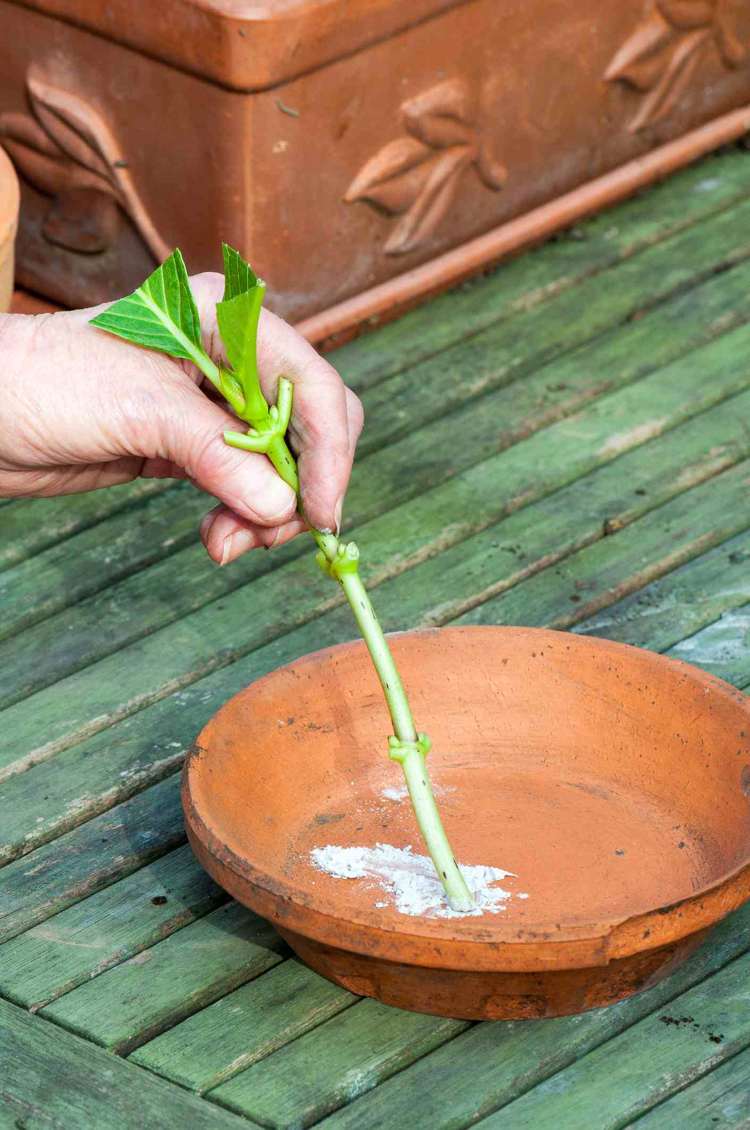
[{"x": 613, "y": 783}]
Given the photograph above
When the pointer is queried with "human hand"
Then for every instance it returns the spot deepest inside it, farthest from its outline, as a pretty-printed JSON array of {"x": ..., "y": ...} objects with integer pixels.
[{"x": 80, "y": 409}]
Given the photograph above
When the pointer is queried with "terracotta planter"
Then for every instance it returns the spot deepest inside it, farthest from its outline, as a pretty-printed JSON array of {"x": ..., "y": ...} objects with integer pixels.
[
  {"x": 8, "y": 224},
  {"x": 405, "y": 129},
  {"x": 614, "y": 783}
]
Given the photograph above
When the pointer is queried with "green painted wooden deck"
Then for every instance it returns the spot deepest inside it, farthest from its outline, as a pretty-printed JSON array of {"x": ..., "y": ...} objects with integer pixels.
[{"x": 565, "y": 442}]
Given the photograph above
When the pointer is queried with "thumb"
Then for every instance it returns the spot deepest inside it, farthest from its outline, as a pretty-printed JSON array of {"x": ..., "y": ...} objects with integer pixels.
[{"x": 191, "y": 434}]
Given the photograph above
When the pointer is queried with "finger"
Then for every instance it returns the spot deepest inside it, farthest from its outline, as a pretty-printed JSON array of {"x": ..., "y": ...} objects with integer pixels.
[
  {"x": 75, "y": 479},
  {"x": 188, "y": 429},
  {"x": 161, "y": 469},
  {"x": 320, "y": 429},
  {"x": 226, "y": 536},
  {"x": 355, "y": 419}
]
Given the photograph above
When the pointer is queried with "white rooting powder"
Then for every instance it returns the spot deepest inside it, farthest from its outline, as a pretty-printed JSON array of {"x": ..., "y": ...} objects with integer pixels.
[
  {"x": 411, "y": 879},
  {"x": 400, "y": 792}
]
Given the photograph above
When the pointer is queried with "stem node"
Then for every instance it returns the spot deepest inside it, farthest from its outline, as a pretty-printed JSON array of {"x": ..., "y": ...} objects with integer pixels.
[
  {"x": 339, "y": 562},
  {"x": 399, "y": 750}
]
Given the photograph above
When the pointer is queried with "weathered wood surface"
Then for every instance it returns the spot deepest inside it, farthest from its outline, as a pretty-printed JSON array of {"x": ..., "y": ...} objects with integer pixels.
[
  {"x": 52, "y": 1079},
  {"x": 716, "y": 1101},
  {"x": 564, "y": 442}
]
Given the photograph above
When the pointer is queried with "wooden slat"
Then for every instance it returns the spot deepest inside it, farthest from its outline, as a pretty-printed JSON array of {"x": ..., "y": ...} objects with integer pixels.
[
  {"x": 220, "y": 633},
  {"x": 509, "y": 351},
  {"x": 29, "y": 526},
  {"x": 721, "y": 648},
  {"x": 75, "y": 568},
  {"x": 164, "y": 983},
  {"x": 334, "y": 1064},
  {"x": 593, "y": 507},
  {"x": 186, "y": 581},
  {"x": 718, "y": 1101},
  {"x": 50, "y": 1078},
  {"x": 683, "y": 602},
  {"x": 652, "y": 1060},
  {"x": 600, "y": 574},
  {"x": 106, "y": 929},
  {"x": 684, "y": 199},
  {"x": 492, "y": 1064},
  {"x": 244, "y": 1027},
  {"x": 75, "y": 865}
]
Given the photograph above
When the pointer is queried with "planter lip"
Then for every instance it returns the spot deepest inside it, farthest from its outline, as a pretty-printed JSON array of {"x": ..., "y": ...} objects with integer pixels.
[
  {"x": 240, "y": 44},
  {"x": 9, "y": 199},
  {"x": 443, "y": 943}
]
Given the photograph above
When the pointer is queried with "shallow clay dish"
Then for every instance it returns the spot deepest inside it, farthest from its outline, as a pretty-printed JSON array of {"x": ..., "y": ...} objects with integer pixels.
[{"x": 614, "y": 783}]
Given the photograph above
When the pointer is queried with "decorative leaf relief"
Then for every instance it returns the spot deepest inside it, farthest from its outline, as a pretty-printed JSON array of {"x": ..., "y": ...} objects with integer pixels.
[
  {"x": 687, "y": 14},
  {"x": 672, "y": 83},
  {"x": 659, "y": 58},
  {"x": 441, "y": 116},
  {"x": 23, "y": 130},
  {"x": 640, "y": 61},
  {"x": 432, "y": 203},
  {"x": 391, "y": 178},
  {"x": 67, "y": 147},
  {"x": 417, "y": 176},
  {"x": 63, "y": 116}
]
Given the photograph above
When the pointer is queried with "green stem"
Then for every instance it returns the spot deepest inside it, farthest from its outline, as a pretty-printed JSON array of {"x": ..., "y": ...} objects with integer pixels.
[
  {"x": 409, "y": 748},
  {"x": 342, "y": 562},
  {"x": 377, "y": 645}
]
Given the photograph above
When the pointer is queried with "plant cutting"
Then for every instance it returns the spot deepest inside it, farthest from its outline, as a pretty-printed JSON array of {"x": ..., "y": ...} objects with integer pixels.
[{"x": 162, "y": 315}]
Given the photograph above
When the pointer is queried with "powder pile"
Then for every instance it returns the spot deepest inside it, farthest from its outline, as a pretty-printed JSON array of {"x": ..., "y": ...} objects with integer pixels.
[{"x": 411, "y": 880}]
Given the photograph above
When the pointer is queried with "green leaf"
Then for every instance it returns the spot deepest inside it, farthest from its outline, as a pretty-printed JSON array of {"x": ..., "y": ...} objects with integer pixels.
[
  {"x": 237, "y": 317},
  {"x": 161, "y": 314},
  {"x": 238, "y": 274}
]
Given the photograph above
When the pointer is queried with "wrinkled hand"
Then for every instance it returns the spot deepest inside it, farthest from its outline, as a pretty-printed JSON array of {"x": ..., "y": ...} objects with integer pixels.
[{"x": 80, "y": 410}]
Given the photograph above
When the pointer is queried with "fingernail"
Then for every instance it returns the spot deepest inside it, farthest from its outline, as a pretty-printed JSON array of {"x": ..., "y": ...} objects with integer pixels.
[
  {"x": 236, "y": 544},
  {"x": 337, "y": 512},
  {"x": 206, "y": 524}
]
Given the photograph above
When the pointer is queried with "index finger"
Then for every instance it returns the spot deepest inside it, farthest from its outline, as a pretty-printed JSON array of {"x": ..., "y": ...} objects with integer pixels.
[{"x": 326, "y": 418}]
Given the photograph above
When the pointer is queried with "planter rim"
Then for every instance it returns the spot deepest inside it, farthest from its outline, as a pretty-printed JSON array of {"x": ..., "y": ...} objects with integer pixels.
[
  {"x": 444, "y": 946},
  {"x": 9, "y": 199},
  {"x": 240, "y": 44}
]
